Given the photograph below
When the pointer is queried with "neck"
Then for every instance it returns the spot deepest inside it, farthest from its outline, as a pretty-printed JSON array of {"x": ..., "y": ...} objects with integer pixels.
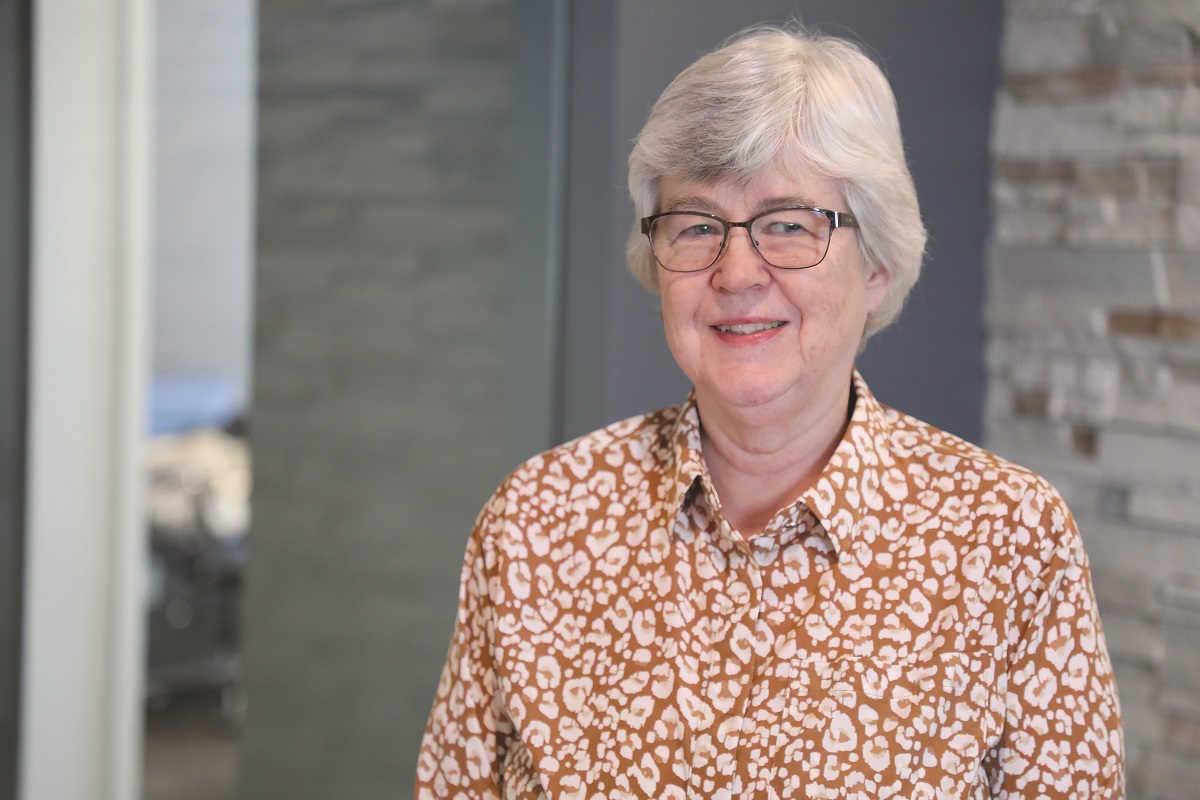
[{"x": 762, "y": 458}]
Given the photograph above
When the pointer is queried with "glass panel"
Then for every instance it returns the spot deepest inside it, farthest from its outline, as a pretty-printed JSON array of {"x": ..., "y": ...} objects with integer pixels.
[{"x": 197, "y": 457}]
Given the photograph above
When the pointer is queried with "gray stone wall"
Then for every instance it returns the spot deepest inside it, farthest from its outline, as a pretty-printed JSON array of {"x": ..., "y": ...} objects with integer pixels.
[
  {"x": 378, "y": 422},
  {"x": 1093, "y": 314}
]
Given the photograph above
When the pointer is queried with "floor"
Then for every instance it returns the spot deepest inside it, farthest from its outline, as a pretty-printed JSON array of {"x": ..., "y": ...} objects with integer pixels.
[{"x": 190, "y": 750}]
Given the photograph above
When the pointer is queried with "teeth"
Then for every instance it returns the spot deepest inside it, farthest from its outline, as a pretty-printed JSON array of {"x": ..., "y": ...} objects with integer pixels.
[{"x": 755, "y": 327}]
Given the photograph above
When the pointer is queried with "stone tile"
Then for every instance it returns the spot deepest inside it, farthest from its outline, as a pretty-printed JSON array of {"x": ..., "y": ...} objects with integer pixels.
[
  {"x": 1044, "y": 447},
  {"x": 1149, "y": 108},
  {"x": 1166, "y": 776},
  {"x": 1151, "y": 144},
  {"x": 1181, "y": 274},
  {"x": 1155, "y": 323},
  {"x": 1173, "y": 408},
  {"x": 1031, "y": 403},
  {"x": 1182, "y": 13},
  {"x": 1127, "y": 179},
  {"x": 1066, "y": 289},
  {"x": 1033, "y": 10},
  {"x": 1045, "y": 44},
  {"x": 1023, "y": 224},
  {"x": 1133, "y": 566},
  {"x": 1179, "y": 701},
  {"x": 1071, "y": 85},
  {"x": 1036, "y": 313},
  {"x": 1189, "y": 110},
  {"x": 1136, "y": 690},
  {"x": 1153, "y": 42},
  {"x": 1166, "y": 458},
  {"x": 1179, "y": 678},
  {"x": 1094, "y": 222},
  {"x": 1134, "y": 640},
  {"x": 1187, "y": 226},
  {"x": 1080, "y": 129},
  {"x": 1034, "y": 172},
  {"x": 1182, "y": 734},
  {"x": 1174, "y": 510},
  {"x": 1084, "y": 497},
  {"x": 1082, "y": 389},
  {"x": 1117, "y": 276}
]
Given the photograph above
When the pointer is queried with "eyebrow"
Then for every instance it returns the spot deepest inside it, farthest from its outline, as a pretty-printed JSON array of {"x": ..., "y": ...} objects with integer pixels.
[{"x": 697, "y": 203}]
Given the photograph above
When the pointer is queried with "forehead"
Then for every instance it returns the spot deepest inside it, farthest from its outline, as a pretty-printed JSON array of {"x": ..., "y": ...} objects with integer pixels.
[{"x": 767, "y": 188}]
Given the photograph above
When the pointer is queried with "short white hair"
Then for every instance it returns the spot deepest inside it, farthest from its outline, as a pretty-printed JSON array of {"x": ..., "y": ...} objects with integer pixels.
[{"x": 786, "y": 98}]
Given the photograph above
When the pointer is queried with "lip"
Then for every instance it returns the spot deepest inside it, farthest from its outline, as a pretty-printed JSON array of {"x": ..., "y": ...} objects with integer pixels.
[{"x": 747, "y": 339}]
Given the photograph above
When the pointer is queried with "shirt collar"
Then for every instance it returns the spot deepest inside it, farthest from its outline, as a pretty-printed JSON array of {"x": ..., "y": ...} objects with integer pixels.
[
  {"x": 848, "y": 487},
  {"x": 685, "y": 447}
]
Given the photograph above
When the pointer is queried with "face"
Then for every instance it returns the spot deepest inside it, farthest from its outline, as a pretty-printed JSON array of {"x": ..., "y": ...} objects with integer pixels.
[{"x": 752, "y": 335}]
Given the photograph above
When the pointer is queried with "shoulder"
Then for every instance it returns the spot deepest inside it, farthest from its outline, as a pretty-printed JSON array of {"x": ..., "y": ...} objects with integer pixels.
[
  {"x": 634, "y": 450},
  {"x": 643, "y": 439},
  {"x": 941, "y": 453},
  {"x": 1029, "y": 508},
  {"x": 572, "y": 502}
]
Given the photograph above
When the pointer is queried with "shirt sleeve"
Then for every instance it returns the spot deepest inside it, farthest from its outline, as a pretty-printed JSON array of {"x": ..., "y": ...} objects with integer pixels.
[
  {"x": 468, "y": 732},
  {"x": 1062, "y": 735}
]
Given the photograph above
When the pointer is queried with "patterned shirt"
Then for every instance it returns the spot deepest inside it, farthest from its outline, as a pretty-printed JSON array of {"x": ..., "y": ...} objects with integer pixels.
[{"x": 918, "y": 624}]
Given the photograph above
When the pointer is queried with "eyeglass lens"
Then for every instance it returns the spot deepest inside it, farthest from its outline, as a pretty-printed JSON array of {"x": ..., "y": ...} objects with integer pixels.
[{"x": 791, "y": 238}]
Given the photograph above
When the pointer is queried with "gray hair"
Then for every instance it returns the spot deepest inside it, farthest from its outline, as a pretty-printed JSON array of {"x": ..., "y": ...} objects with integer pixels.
[{"x": 787, "y": 98}]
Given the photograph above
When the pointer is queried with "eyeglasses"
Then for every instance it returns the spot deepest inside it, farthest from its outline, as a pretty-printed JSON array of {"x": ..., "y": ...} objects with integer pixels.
[{"x": 789, "y": 238}]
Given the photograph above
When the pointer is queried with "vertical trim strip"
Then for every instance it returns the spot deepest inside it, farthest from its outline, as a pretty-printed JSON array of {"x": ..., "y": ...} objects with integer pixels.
[
  {"x": 85, "y": 552},
  {"x": 535, "y": 294},
  {"x": 15, "y": 40}
]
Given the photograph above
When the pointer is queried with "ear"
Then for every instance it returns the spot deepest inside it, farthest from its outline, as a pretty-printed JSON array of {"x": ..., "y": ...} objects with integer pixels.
[{"x": 879, "y": 279}]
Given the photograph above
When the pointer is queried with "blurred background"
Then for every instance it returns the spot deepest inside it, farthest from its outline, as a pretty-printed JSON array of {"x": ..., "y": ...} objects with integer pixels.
[{"x": 287, "y": 287}]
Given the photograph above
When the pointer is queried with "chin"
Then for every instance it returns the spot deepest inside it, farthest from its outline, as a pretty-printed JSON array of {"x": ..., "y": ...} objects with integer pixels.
[{"x": 747, "y": 390}]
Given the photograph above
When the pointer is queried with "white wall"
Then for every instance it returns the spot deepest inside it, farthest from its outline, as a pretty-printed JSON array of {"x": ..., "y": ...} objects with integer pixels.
[{"x": 204, "y": 188}]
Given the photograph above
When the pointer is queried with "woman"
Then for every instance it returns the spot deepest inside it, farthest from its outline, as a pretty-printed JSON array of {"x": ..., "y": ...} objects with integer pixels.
[{"x": 779, "y": 588}]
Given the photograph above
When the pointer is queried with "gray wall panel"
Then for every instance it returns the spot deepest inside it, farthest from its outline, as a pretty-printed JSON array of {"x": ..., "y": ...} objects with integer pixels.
[{"x": 382, "y": 360}]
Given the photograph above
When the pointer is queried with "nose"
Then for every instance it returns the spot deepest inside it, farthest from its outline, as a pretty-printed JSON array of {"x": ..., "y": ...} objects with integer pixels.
[{"x": 740, "y": 267}]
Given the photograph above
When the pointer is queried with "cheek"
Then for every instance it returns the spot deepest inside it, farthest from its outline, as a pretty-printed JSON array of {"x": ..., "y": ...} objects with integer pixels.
[
  {"x": 678, "y": 305},
  {"x": 673, "y": 321},
  {"x": 679, "y": 311},
  {"x": 668, "y": 310}
]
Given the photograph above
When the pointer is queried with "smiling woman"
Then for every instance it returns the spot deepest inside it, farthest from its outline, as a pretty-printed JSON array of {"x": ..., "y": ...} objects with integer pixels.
[{"x": 779, "y": 587}]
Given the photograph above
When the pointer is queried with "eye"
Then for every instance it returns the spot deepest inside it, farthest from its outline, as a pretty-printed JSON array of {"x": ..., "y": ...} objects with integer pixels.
[
  {"x": 785, "y": 227},
  {"x": 700, "y": 229}
]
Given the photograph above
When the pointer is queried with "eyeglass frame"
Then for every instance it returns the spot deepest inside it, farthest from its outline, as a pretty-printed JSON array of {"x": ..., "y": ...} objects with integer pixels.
[{"x": 837, "y": 219}]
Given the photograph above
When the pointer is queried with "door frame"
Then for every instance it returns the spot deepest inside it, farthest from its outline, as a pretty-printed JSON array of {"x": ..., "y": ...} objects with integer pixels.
[{"x": 85, "y": 545}]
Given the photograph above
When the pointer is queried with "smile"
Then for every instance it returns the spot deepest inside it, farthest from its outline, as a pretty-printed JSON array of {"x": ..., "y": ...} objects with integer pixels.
[{"x": 748, "y": 328}]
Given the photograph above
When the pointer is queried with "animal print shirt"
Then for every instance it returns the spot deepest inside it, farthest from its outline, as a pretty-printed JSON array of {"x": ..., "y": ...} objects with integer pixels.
[{"x": 919, "y": 624}]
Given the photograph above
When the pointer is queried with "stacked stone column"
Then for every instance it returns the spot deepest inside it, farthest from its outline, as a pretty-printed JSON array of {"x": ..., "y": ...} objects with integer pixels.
[{"x": 1093, "y": 317}]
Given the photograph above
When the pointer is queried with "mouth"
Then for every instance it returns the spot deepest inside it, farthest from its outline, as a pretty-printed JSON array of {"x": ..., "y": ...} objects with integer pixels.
[{"x": 747, "y": 328}]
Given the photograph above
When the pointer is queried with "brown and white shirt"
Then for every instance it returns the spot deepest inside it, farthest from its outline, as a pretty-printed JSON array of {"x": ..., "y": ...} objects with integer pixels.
[{"x": 919, "y": 624}]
